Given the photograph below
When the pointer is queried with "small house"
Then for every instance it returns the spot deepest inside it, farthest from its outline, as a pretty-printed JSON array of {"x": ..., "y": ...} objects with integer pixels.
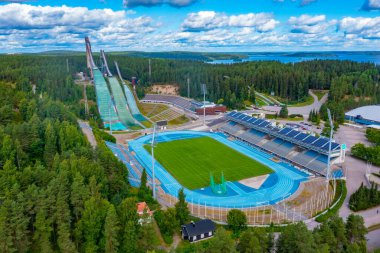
[
  {"x": 199, "y": 230},
  {"x": 145, "y": 214}
]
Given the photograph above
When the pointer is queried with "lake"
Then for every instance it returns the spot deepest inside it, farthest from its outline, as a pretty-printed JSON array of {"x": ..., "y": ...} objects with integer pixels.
[{"x": 306, "y": 56}]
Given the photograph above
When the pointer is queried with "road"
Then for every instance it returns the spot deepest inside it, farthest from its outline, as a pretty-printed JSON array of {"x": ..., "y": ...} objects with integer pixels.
[
  {"x": 303, "y": 110},
  {"x": 373, "y": 241}
]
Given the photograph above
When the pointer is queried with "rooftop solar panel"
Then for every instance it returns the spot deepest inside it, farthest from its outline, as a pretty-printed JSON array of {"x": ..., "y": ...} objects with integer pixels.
[
  {"x": 264, "y": 124},
  {"x": 320, "y": 142},
  {"x": 334, "y": 146},
  {"x": 310, "y": 139},
  {"x": 258, "y": 122},
  {"x": 252, "y": 120},
  {"x": 285, "y": 130},
  {"x": 292, "y": 133},
  {"x": 245, "y": 118},
  {"x": 301, "y": 136}
]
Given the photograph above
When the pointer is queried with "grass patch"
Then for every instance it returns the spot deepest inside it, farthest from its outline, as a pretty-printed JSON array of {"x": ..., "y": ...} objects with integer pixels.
[
  {"x": 374, "y": 227},
  {"x": 307, "y": 101},
  {"x": 190, "y": 161},
  {"x": 146, "y": 123},
  {"x": 320, "y": 93},
  {"x": 179, "y": 121},
  {"x": 341, "y": 190},
  {"x": 149, "y": 110},
  {"x": 260, "y": 102}
]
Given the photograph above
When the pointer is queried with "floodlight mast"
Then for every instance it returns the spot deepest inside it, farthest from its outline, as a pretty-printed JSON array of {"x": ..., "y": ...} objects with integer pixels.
[
  {"x": 329, "y": 154},
  {"x": 204, "y": 103},
  {"x": 153, "y": 174}
]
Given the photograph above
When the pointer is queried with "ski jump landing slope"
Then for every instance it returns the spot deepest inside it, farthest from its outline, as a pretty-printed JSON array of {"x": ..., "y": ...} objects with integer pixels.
[{"x": 130, "y": 98}]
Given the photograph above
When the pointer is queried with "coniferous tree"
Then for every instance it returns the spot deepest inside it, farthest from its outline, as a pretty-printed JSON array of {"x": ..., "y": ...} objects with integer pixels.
[
  {"x": 111, "y": 231},
  {"x": 50, "y": 144},
  {"x": 182, "y": 211},
  {"x": 143, "y": 192},
  {"x": 42, "y": 235},
  {"x": 284, "y": 112}
]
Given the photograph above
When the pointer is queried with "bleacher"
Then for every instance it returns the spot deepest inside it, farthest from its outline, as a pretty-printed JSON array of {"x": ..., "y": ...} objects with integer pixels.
[
  {"x": 312, "y": 159},
  {"x": 189, "y": 105},
  {"x": 318, "y": 144}
]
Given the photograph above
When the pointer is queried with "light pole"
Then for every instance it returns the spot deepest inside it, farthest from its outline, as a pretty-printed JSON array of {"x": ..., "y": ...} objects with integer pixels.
[
  {"x": 329, "y": 155},
  {"x": 204, "y": 103},
  {"x": 153, "y": 173}
]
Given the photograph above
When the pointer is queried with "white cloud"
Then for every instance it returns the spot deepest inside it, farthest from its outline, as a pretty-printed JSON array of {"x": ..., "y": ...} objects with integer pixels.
[
  {"x": 301, "y": 3},
  {"x": 310, "y": 24},
  {"x": 208, "y": 20},
  {"x": 44, "y": 26},
  {"x": 149, "y": 3},
  {"x": 367, "y": 28},
  {"x": 371, "y": 5}
]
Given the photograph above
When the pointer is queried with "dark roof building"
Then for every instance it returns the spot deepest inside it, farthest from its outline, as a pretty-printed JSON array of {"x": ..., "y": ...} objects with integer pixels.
[{"x": 196, "y": 231}]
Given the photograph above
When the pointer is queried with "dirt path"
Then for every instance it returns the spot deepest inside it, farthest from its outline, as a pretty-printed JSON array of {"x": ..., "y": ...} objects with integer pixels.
[
  {"x": 176, "y": 240},
  {"x": 87, "y": 131}
]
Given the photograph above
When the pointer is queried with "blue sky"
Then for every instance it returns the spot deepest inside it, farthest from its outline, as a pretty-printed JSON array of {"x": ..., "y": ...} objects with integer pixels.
[{"x": 190, "y": 25}]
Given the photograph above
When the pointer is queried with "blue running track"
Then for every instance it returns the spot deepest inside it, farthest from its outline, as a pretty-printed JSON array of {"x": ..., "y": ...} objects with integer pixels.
[{"x": 287, "y": 181}]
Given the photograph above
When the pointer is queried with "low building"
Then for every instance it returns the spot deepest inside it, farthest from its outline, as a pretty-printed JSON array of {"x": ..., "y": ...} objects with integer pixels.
[
  {"x": 145, "y": 214},
  {"x": 365, "y": 115},
  {"x": 199, "y": 230},
  {"x": 211, "y": 109}
]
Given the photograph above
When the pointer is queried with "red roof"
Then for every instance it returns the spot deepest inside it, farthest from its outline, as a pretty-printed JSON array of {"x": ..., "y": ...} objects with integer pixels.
[{"x": 141, "y": 207}]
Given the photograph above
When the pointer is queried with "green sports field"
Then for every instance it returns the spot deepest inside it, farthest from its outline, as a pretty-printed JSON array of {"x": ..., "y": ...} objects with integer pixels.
[{"x": 190, "y": 161}]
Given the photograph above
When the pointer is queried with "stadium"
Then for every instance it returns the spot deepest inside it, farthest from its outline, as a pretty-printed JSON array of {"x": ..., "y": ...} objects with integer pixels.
[
  {"x": 270, "y": 171},
  {"x": 245, "y": 163}
]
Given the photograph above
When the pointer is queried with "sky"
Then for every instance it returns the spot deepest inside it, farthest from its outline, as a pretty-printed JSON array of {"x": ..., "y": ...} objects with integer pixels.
[{"x": 190, "y": 25}]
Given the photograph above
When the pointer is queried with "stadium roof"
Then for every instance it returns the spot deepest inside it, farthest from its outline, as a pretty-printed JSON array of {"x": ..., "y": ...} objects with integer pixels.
[{"x": 371, "y": 112}]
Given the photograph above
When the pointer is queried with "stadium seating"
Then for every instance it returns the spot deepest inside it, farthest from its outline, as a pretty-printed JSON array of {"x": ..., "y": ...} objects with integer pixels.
[
  {"x": 309, "y": 159},
  {"x": 318, "y": 144}
]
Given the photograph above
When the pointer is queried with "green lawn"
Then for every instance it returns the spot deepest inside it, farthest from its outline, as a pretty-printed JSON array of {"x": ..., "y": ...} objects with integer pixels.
[
  {"x": 190, "y": 161},
  {"x": 320, "y": 93}
]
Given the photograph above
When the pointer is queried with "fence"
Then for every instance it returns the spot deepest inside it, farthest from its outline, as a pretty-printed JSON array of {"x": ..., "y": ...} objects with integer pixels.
[{"x": 280, "y": 213}]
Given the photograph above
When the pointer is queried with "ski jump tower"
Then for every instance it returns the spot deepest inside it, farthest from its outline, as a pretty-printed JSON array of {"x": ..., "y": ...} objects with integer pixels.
[
  {"x": 105, "y": 68},
  {"x": 90, "y": 59}
]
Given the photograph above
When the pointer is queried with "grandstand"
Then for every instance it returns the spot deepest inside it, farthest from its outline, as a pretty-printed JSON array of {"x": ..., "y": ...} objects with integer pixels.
[
  {"x": 167, "y": 115},
  {"x": 183, "y": 103},
  {"x": 299, "y": 148}
]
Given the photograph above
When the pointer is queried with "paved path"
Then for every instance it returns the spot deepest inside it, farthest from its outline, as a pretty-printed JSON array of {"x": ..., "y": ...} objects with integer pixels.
[
  {"x": 373, "y": 241},
  {"x": 87, "y": 130},
  {"x": 355, "y": 171},
  {"x": 303, "y": 110}
]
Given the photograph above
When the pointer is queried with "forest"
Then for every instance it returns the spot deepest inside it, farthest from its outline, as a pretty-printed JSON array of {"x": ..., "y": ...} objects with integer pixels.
[
  {"x": 59, "y": 194},
  {"x": 351, "y": 84}
]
